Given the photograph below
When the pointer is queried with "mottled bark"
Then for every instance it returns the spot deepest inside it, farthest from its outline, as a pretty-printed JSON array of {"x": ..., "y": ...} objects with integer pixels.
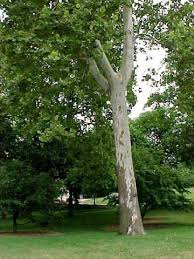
[
  {"x": 130, "y": 216},
  {"x": 116, "y": 85}
]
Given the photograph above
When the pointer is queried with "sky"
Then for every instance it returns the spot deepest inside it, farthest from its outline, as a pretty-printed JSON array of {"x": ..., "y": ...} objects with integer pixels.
[
  {"x": 1, "y": 13},
  {"x": 157, "y": 62}
]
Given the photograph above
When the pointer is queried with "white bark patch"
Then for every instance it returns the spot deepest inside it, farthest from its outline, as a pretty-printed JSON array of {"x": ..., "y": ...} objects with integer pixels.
[
  {"x": 129, "y": 230},
  {"x": 129, "y": 203},
  {"x": 134, "y": 217}
]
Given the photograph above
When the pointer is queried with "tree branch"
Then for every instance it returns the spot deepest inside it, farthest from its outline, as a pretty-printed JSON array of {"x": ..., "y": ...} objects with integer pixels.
[
  {"x": 104, "y": 63},
  {"x": 100, "y": 79},
  {"x": 149, "y": 37},
  {"x": 128, "y": 45}
]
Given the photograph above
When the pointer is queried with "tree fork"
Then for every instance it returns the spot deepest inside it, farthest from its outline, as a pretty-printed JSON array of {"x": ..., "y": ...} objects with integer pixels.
[{"x": 116, "y": 84}]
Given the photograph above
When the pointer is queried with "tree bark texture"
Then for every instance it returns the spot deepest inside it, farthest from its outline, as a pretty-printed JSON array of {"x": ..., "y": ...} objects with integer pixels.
[{"x": 130, "y": 216}]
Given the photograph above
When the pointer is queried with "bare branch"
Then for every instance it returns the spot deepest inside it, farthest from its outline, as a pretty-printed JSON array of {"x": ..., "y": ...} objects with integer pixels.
[
  {"x": 100, "y": 79},
  {"x": 149, "y": 37},
  {"x": 104, "y": 63},
  {"x": 128, "y": 45}
]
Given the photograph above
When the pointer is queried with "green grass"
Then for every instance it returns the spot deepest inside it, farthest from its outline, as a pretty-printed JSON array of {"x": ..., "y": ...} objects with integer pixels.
[
  {"x": 92, "y": 234},
  {"x": 103, "y": 201},
  {"x": 168, "y": 243},
  {"x": 99, "y": 201}
]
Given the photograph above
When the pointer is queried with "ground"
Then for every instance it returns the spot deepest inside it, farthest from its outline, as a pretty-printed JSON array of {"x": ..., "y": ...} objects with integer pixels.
[{"x": 92, "y": 233}]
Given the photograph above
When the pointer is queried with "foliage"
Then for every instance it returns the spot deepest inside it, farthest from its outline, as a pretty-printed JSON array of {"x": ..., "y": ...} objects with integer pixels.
[
  {"x": 7, "y": 134},
  {"x": 160, "y": 186},
  {"x": 45, "y": 75},
  {"x": 98, "y": 171},
  {"x": 90, "y": 159},
  {"x": 161, "y": 182},
  {"x": 23, "y": 190},
  {"x": 113, "y": 199},
  {"x": 53, "y": 101},
  {"x": 176, "y": 97}
]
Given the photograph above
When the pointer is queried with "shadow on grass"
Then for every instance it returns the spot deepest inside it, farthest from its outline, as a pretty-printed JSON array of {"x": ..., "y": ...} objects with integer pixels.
[{"x": 94, "y": 218}]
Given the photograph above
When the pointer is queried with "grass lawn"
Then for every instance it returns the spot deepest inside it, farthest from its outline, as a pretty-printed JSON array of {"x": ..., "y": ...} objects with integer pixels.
[
  {"x": 99, "y": 201},
  {"x": 92, "y": 234}
]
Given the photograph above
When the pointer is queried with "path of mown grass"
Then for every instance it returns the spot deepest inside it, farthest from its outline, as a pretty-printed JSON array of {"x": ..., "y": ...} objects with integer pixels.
[{"x": 92, "y": 234}]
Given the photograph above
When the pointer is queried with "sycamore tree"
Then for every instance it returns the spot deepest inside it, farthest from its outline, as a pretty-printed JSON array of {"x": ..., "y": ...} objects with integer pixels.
[
  {"x": 45, "y": 57},
  {"x": 47, "y": 49},
  {"x": 115, "y": 84},
  {"x": 22, "y": 189}
]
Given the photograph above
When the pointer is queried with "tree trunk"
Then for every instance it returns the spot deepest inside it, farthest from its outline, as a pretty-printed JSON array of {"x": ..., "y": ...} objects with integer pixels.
[
  {"x": 94, "y": 197},
  {"x": 130, "y": 216},
  {"x": 70, "y": 202},
  {"x": 3, "y": 214},
  {"x": 116, "y": 84},
  {"x": 76, "y": 197},
  {"x": 15, "y": 216}
]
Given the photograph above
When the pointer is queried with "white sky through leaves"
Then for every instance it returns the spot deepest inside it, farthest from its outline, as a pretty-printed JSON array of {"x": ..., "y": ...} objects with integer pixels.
[{"x": 146, "y": 88}]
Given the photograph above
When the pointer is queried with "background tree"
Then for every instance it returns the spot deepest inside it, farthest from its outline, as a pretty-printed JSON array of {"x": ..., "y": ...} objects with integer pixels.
[
  {"x": 177, "y": 81},
  {"x": 97, "y": 162},
  {"x": 22, "y": 189},
  {"x": 45, "y": 67},
  {"x": 161, "y": 181},
  {"x": 7, "y": 134}
]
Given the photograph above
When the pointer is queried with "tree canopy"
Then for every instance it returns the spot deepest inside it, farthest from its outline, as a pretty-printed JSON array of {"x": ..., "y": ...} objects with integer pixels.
[{"x": 54, "y": 117}]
